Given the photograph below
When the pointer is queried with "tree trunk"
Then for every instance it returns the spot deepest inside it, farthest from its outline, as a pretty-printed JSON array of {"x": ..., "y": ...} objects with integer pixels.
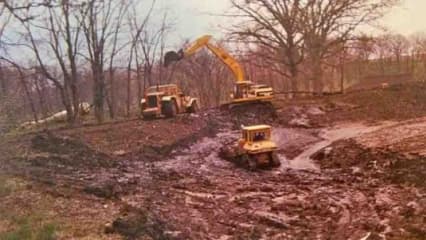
[
  {"x": 41, "y": 98},
  {"x": 317, "y": 75},
  {"x": 111, "y": 98},
  {"x": 109, "y": 104},
  {"x": 75, "y": 101},
  {"x": 293, "y": 79},
  {"x": 129, "y": 92},
  {"x": 67, "y": 102},
  {"x": 99, "y": 89},
  {"x": 139, "y": 80},
  {"x": 28, "y": 94},
  {"x": 3, "y": 94},
  {"x": 148, "y": 75}
]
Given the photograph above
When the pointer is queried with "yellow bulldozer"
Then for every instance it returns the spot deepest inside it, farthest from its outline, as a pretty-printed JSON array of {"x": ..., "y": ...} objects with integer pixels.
[
  {"x": 166, "y": 101},
  {"x": 255, "y": 149},
  {"x": 244, "y": 91}
]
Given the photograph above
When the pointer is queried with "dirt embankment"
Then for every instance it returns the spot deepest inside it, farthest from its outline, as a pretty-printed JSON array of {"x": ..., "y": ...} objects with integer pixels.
[
  {"x": 396, "y": 103},
  {"x": 137, "y": 138},
  {"x": 393, "y": 156},
  {"x": 396, "y": 153}
]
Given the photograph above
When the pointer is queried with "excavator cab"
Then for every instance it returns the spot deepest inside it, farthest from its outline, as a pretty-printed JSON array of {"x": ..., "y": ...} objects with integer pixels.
[
  {"x": 247, "y": 91},
  {"x": 240, "y": 90}
]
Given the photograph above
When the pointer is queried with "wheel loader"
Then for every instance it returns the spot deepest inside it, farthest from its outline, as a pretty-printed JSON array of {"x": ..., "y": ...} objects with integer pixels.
[
  {"x": 254, "y": 150},
  {"x": 166, "y": 101},
  {"x": 244, "y": 91}
]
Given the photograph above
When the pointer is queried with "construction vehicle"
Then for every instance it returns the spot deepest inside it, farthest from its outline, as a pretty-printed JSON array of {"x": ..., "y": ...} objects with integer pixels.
[
  {"x": 166, "y": 101},
  {"x": 254, "y": 150},
  {"x": 244, "y": 91}
]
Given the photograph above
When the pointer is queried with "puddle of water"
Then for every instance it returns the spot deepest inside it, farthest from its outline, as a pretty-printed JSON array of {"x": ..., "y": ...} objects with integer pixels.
[
  {"x": 204, "y": 153},
  {"x": 284, "y": 137}
]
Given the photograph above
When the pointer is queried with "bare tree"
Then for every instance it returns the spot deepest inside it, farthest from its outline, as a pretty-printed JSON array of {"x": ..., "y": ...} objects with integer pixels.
[
  {"x": 22, "y": 79},
  {"x": 137, "y": 28},
  {"x": 274, "y": 25},
  {"x": 5, "y": 18},
  {"x": 330, "y": 23},
  {"x": 419, "y": 43},
  {"x": 361, "y": 49},
  {"x": 149, "y": 44},
  {"x": 55, "y": 34},
  {"x": 399, "y": 46},
  {"x": 294, "y": 29},
  {"x": 419, "y": 50},
  {"x": 116, "y": 48},
  {"x": 101, "y": 22},
  {"x": 40, "y": 85}
]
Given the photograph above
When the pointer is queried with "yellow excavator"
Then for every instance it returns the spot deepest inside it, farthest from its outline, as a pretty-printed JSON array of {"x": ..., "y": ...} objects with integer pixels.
[{"x": 244, "y": 91}]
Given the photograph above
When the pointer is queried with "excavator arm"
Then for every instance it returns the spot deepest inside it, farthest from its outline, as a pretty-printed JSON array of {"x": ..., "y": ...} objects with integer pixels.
[{"x": 220, "y": 53}]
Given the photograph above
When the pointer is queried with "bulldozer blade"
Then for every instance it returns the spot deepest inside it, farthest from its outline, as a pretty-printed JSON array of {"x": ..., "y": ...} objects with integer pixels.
[{"x": 172, "y": 56}]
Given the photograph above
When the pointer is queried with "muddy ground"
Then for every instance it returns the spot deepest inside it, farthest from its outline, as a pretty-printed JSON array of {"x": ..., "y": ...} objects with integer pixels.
[{"x": 346, "y": 174}]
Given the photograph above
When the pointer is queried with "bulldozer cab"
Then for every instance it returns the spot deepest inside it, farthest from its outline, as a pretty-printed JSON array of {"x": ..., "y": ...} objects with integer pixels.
[{"x": 256, "y": 133}]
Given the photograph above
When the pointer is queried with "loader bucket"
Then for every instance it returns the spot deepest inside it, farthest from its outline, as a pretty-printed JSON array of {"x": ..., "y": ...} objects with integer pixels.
[{"x": 172, "y": 56}]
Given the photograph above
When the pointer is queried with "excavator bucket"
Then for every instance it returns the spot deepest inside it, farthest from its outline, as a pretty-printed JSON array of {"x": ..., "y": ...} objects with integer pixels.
[{"x": 172, "y": 56}]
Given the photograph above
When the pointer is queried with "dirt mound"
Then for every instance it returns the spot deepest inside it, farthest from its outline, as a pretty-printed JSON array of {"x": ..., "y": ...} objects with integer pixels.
[
  {"x": 394, "y": 103},
  {"x": 110, "y": 189},
  {"x": 135, "y": 223},
  {"x": 398, "y": 168},
  {"x": 138, "y": 139},
  {"x": 252, "y": 113},
  {"x": 159, "y": 152},
  {"x": 54, "y": 150}
]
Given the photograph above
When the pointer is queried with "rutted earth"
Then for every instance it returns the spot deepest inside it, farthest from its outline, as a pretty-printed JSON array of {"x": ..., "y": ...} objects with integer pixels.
[
  {"x": 220, "y": 201},
  {"x": 176, "y": 187}
]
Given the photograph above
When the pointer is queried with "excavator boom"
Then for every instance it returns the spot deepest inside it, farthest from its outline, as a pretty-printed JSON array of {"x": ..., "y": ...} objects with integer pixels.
[
  {"x": 244, "y": 91},
  {"x": 229, "y": 61},
  {"x": 201, "y": 42}
]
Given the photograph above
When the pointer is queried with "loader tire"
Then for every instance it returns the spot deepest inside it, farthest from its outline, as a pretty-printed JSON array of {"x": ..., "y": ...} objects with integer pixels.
[
  {"x": 169, "y": 109},
  {"x": 275, "y": 161},
  {"x": 193, "y": 108}
]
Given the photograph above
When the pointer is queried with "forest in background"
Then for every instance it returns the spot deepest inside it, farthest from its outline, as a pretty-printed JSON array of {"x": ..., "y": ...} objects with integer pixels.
[{"x": 107, "y": 52}]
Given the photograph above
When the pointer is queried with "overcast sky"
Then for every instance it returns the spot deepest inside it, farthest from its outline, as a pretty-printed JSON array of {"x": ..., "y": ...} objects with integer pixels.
[
  {"x": 409, "y": 18},
  {"x": 194, "y": 17}
]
